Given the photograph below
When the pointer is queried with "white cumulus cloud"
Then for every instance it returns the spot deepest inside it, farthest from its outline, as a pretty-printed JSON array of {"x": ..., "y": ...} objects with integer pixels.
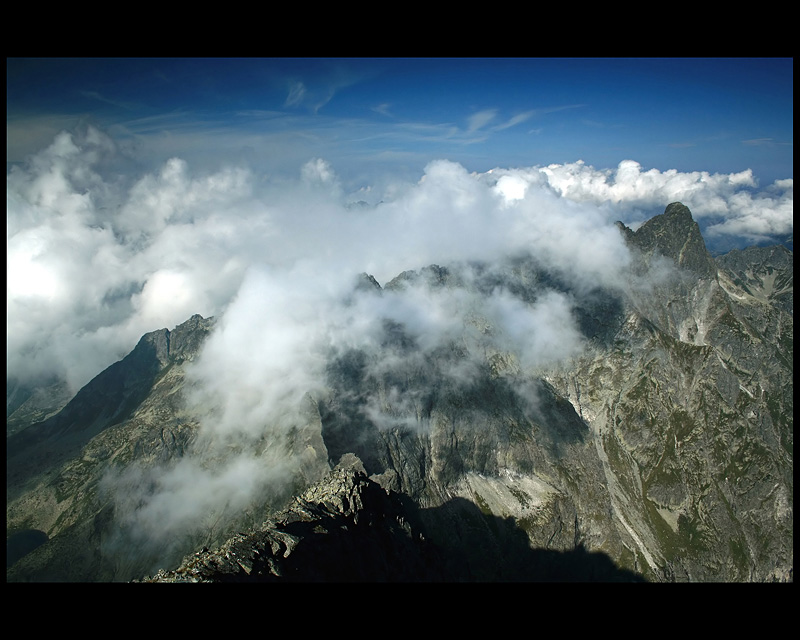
[{"x": 96, "y": 259}]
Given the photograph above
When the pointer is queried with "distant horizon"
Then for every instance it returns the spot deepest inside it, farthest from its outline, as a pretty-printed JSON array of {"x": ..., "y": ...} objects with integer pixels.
[
  {"x": 376, "y": 120},
  {"x": 721, "y": 115}
]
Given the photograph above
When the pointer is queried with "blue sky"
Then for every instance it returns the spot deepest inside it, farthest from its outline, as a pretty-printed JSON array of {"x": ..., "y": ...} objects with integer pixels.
[
  {"x": 369, "y": 115},
  {"x": 142, "y": 191}
]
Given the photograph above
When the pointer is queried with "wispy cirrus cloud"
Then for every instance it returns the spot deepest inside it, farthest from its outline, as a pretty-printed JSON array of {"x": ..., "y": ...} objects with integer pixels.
[
  {"x": 296, "y": 95},
  {"x": 480, "y": 120},
  {"x": 515, "y": 120},
  {"x": 124, "y": 104},
  {"x": 260, "y": 113},
  {"x": 316, "y": 87},
  {"x": 765, "y": 142},
  {"x": 382, "y": 109}
]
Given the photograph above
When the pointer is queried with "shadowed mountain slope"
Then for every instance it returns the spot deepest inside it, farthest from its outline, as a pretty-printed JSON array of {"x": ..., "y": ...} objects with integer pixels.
[{"x": 661, "y": 450}]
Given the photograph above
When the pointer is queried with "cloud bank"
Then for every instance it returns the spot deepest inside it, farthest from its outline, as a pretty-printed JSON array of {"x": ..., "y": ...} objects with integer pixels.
[
  {"x": 96, "y": 259},
  {"x": 724, "y": 204}
]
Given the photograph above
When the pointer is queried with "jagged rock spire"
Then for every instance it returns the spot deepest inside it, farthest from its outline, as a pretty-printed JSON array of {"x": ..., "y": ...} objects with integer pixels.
[{"x": 675, "y": 234}]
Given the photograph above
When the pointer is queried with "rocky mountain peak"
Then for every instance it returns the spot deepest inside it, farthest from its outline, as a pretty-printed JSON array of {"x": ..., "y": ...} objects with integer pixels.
[
  {"x": 678, "y": 211},
  {"x": 674, "y": 234},
  {"x": 185, "y": 339},
  {"x": 663, "y": 451},
  {"x": 109, "y": 398},
  {"x": 348, "y": 528},
  {"x": 344, "y": 528}
]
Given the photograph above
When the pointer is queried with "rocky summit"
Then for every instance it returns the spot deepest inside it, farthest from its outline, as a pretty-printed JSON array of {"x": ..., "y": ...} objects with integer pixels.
[{"x": 659, "y": 448}]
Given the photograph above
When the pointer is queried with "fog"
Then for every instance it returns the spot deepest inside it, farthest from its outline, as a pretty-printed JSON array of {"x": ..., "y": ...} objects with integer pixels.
[{"x": 97, "y": 258}]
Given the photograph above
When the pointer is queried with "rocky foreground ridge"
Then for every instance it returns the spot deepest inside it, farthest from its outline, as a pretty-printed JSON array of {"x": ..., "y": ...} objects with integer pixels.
[
  {"x": 347, "y": 528},
  {"x": 663, "y": 452}
]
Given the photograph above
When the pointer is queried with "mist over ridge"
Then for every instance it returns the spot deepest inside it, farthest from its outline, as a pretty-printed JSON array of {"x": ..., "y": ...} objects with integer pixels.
[
  {"x": 97, "y": 258},
  {"x": 321, "y": 303}
]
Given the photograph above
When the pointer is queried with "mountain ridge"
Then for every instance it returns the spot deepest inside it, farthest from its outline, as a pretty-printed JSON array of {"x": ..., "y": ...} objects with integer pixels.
[{"x": 665, "y": 445}]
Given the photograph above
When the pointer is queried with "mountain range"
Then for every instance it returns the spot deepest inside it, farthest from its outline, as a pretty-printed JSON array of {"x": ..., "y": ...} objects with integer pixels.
[{"x": 557, "y": 430}]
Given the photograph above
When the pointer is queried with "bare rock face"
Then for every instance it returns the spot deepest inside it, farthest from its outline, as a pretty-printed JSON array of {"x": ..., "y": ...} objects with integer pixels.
[
  {"x": 663, "y": 451},
  {"x": 655, "y": 446},
  {"x": 675, "y": 235},
  {"x": 128, "y": 412},
  {"x": 347, "y": 528},
  {"x": 763, "y": 273},
  {"x": 692, "y": 410}
]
